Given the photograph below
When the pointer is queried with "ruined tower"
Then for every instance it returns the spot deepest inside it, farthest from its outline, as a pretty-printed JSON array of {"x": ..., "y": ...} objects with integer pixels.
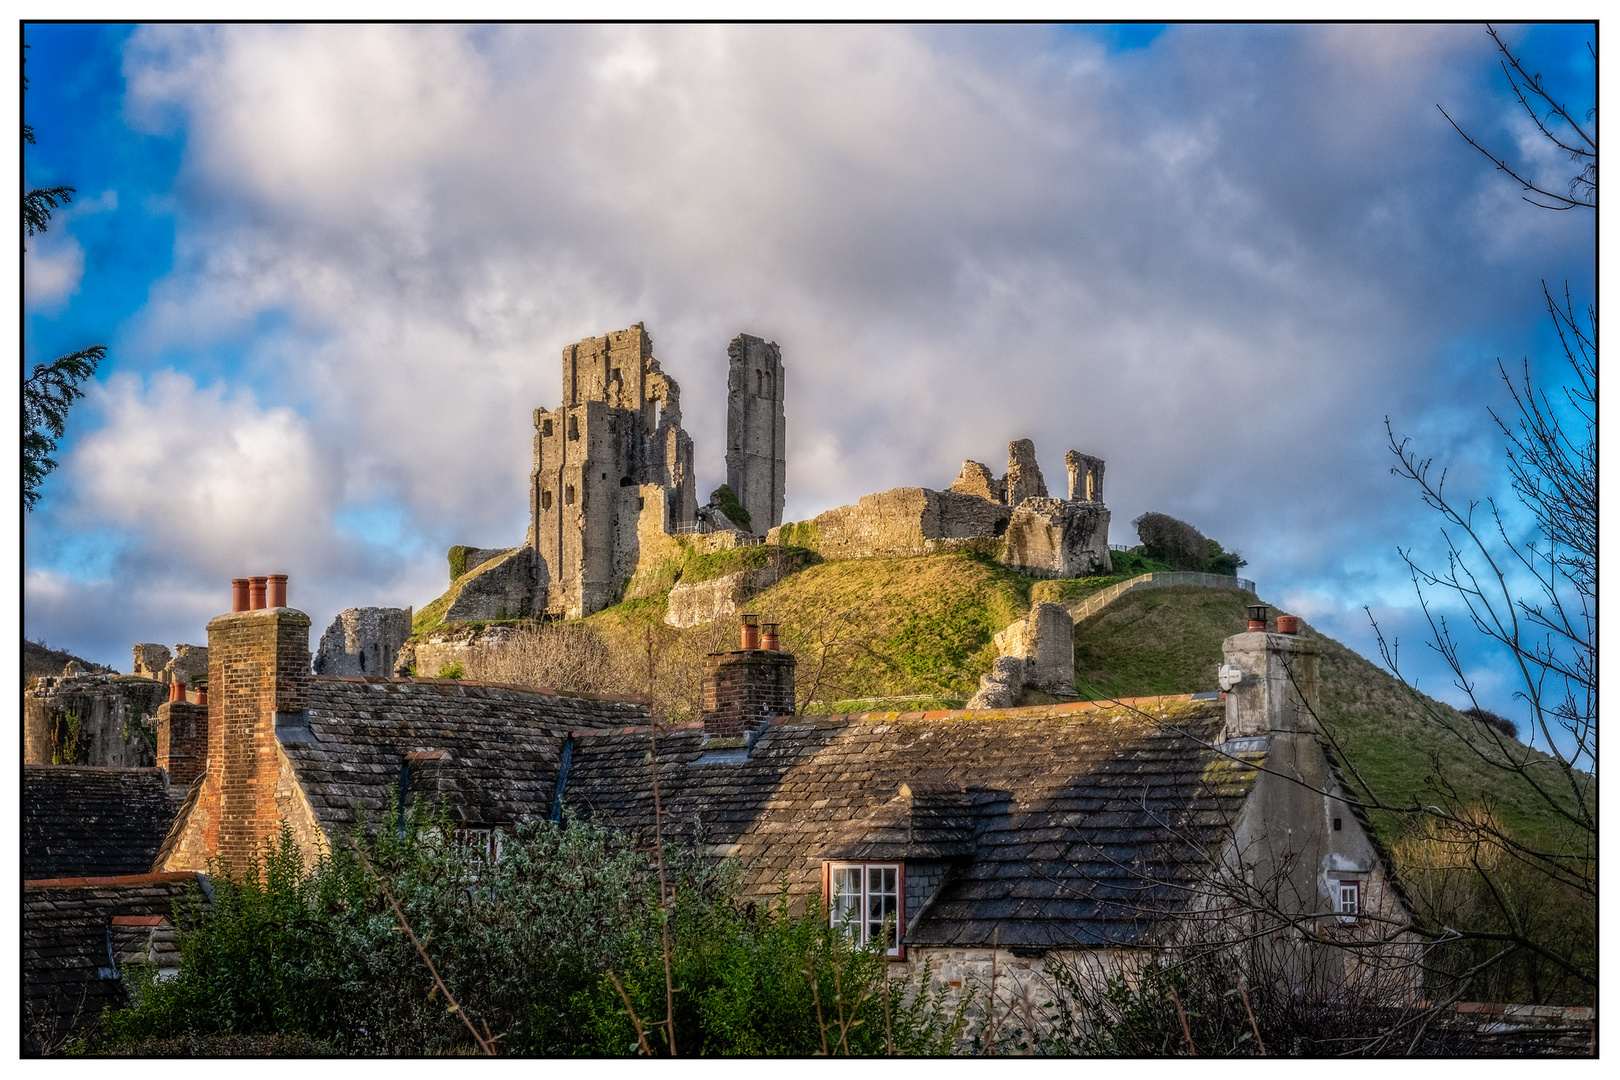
[
  {"x": 756, "y": 431},
  {"x": 610, "y": 463}
]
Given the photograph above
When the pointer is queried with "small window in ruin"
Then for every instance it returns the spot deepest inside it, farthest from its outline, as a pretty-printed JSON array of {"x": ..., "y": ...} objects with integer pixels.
[
  {"x": 625, "y": 481},
  {"x": 545, "y": 500},
  {"x": 568, "y": 495},
  {"x": 759, "y": 382},
  {"x": 1338, "y": 824},
  {"x": 573, "y": 427},
  {"x": 545, "y": 427},
  {"x": 614, "y": 375},
  {"x": 1000, "y": 528},
  {"x": 1348, "y": 904}
]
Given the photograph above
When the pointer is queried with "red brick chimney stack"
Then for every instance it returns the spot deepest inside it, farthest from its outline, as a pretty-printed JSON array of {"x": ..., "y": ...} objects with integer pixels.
[
  {"x": 744, "y": 689},
  {"x": 259, "y": 672}
]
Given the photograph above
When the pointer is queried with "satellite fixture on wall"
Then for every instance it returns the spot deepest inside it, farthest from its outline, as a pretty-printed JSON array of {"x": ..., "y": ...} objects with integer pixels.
[{"x": 1230, "y": 676}]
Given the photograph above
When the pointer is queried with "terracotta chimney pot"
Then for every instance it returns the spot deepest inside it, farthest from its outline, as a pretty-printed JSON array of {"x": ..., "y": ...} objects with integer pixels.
[
  {"x": 256, "y": 586},
  {"x": 277, "y": 591},
  {"x": 239, "y": 594},
  {"x": 768, "y": 640},
  {"x": 1288, "y": 624},
  {"x": 750, "y": 633},
  {"x": 202, "y": 695},
  {"x": 1257, "y": 618}
]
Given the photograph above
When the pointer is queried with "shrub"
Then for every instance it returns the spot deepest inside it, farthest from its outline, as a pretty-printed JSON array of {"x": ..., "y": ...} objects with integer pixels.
[
  {"x": 726, "y": 500},
  {"x": 1173, "y": 541},
  {"x": 458, "y": 560},
  {"x": 1225, "y": 562},
  {"x": 1494, "y": 720},
  {"x": 525, "y": 941}
]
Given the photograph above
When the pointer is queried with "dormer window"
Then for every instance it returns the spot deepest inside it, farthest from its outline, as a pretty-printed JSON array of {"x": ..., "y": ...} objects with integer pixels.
[{"x": 865, "y": 900}]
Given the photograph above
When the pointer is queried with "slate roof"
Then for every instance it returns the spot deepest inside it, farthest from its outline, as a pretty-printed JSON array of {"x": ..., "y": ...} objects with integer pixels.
[
  {"x": 493, "y": 750},
  {"x": 67, "y": 958},
  {"x": 1066, "y": 825},
  {"x": 82, "y": 820}
]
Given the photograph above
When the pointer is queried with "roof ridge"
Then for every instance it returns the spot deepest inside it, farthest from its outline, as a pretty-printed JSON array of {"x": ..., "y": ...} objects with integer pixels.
[
  {"x": 533, "y": 691},
  {"x": 1013, "y": 712},
  {"x": 117, "y": 879}
]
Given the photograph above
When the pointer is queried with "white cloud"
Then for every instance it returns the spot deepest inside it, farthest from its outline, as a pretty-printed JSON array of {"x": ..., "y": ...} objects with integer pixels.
[{"x": 52, "y": 267}]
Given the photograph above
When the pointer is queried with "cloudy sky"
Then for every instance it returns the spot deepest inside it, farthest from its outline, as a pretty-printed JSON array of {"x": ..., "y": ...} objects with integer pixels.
[{"x": 335, "y": 267}]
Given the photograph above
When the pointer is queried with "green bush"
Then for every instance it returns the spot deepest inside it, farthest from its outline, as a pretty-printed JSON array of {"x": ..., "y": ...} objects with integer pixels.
[
  {"x": 726, "y": 500},
  {"x": 458, "y": 560},
  {"x": 525, "y": 941}
]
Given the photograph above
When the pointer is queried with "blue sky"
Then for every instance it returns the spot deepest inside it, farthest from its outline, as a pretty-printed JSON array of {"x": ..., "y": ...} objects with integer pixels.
[{"x": 335, "y": 267}]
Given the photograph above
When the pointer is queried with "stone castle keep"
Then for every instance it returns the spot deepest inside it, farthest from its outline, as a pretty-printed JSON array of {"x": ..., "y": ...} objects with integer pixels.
[
  {"x": 613, "y": 487},
  {"x": 613, "y": 480}
]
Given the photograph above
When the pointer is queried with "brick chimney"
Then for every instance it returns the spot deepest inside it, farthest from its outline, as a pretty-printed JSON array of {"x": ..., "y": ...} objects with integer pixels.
[
  {"x": 1269, "y": 678},
  {"x": 258, "y": 678},
  {"x": 743, "y": 689},
  {"x": 182, "y": 740}
]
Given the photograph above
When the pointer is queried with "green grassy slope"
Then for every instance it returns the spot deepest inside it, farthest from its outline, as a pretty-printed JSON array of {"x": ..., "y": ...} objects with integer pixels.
[
  {"x": 916, "y": 633},
  {"x": 1169, "y": 641}
]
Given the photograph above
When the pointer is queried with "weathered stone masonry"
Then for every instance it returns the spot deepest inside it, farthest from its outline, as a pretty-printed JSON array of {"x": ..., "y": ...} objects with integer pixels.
[{"x": 756, "y": 430}]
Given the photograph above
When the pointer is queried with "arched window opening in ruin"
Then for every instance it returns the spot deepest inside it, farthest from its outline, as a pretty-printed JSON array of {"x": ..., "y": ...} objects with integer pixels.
[
  {"x": 545, "y": 427},
  {"x": 573, "y": 427},
  {"x": 759, "y": 382},
  {"x": 1091, "y": 485},
  {"x": 568, "y": 495},
  {"x": 625, "y": 481},
  {"x": 545, "y": 500},
  {"x": 1000, "y": 529}
]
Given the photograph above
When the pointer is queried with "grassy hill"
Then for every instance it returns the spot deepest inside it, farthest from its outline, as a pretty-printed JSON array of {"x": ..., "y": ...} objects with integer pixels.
[
  {"x": 913, "y": 633},
  {"x": 1169, "y": 641}
]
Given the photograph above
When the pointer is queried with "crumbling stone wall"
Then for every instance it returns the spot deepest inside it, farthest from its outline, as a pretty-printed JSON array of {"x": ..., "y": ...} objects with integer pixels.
[
  {"x": 109, "y": 718},
  {"x": 1044, "y": 640},
  {"x": 1085, "y": 477},
  {"x": 613, "y": 446},
  {"x": 365, "y": 640},
  {"x": 977, "y": 479},
  {"x": 502, "y": 588},
  {"x": 756, "y": 430},
  {"x": 906, "y": 521},
  {"x": 188, "y": 664},
  {"x": 1023, "y": 480},
  {"x": 1056, "y": 538}
]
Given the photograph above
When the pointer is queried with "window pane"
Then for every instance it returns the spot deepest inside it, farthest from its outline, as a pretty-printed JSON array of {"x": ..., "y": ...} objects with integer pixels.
[{"x": 890, "y": 877}]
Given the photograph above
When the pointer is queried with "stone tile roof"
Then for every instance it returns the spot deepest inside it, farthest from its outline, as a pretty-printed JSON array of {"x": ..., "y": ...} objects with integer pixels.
[
  {"x": 1065, "y": 825},
  {"x": 81, "y": 820},
  {"x": 68, "y": 972},
  {"x": 492, "y": 750}
]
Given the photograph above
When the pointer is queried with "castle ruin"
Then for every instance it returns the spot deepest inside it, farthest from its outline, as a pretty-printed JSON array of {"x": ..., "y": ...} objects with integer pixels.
[
  {"x": 756, "y": 431},
  {"x": 613, "y": 476}
]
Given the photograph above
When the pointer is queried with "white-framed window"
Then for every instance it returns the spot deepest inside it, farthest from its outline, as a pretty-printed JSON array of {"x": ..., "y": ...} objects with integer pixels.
[
  {"x": 1347, "y": 904},
  {"x": 866, "y": 899}
]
